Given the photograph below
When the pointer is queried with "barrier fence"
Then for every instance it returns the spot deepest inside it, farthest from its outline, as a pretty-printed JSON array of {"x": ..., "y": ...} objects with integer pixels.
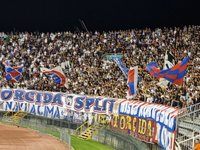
[
  {"x": 188, "y": 127},
  {"x": 190, "y": 109},
  {"x": 122, "y": 141}
]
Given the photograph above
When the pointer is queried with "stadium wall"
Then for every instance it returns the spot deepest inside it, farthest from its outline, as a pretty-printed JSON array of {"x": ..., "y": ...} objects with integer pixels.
[{"x": 121, "y": 141}]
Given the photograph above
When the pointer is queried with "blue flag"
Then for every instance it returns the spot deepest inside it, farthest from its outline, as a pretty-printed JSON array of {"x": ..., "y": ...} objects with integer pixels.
[{"x": 123, "y": 68}]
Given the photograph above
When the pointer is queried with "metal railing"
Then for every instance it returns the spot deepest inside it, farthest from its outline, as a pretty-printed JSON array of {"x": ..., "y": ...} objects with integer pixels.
[
  {"x": 189, "y": 109},
  {"x": 81, "y": 128},
  {"x": 188, "y": 127}
]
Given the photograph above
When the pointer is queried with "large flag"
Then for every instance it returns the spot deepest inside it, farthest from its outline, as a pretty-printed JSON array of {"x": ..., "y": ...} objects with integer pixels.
[
  {"x": 13, "y": 74},
  {"x": 56, "y": 74},
  {"x": 174, "y": 74},
  {"x": 168, "y": 63},
  {"x": 132, "y": 81},
  {"x": 123, "y": 68}
]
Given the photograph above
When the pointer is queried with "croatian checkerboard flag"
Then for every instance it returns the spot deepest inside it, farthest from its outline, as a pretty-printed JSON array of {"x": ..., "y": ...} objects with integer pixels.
[
  {"x": 56, "y": 74},
  {"x": 132, "y": 82},
  {"x": 13, "y": 74}
]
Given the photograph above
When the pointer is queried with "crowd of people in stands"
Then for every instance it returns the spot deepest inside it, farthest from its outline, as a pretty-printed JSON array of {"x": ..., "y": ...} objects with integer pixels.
[{"x": 83, "y": 59}]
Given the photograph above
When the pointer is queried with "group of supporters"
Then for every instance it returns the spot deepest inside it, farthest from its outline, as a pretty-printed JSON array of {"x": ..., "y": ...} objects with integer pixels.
[{"x": 82, "y": 57}]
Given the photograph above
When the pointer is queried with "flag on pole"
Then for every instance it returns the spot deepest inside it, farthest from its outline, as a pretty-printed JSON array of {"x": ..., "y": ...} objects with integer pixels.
[
  {"x": 132, "y": 81},
  {"x": 123, "y": 68}
]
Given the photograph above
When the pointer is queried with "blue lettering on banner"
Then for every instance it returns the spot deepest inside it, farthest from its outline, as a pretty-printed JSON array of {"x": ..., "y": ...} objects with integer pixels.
[
  {"x": 48, "y": 111},
  {"x": 19, "y": 95},
  {"x": 6, "y": 95},
  {"x": 52, "y": 112},
  {"x": 160, "y": 114},
  {"x": 39, "y": 112},
  {"x": 33, "y": 111},
  {"x": 29, "y": 96},
  {"x": 57, "y": 99},
  {"x": 97, "y": 107},
  {"x": 48, "y": 97},
  {"x": 56, "y": 113},
  {"x": 89, "y": 103},
  {"x": 106, "y": 102},
  {"x": 111, "y": 105},
  {"x": 26, "y": 107},
  {"x": 30, "y": 101},
  {"x": 8, "y": 106},
  {"x": 39, "y": 97},
  {"x": 164, "y": 137},
  {"x": 79, "y": 103}
]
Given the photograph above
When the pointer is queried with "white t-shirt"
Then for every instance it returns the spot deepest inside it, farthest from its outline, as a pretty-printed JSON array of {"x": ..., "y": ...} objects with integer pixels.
[{"x": 150, "y": 99}]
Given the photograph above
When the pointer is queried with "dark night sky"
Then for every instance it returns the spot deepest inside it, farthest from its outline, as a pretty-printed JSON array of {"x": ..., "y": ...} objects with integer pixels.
[{"x": 59, "y": 15}]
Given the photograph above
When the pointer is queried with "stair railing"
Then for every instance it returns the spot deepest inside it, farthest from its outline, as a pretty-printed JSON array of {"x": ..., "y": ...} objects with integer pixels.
[{"x": 81, "y": 128}]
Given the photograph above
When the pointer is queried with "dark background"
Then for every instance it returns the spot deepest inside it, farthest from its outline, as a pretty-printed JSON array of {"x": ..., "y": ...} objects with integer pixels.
[{"x": 102, "y": 15}]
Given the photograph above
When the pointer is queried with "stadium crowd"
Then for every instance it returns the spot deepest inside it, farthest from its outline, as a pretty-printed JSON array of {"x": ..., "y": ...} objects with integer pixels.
[{"x": 82, "y": 57}]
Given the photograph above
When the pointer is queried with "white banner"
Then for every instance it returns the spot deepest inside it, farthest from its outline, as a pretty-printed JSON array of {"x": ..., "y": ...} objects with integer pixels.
[
  {"x": 80, "y": 108},
  {"x": 53, "y": 104}
]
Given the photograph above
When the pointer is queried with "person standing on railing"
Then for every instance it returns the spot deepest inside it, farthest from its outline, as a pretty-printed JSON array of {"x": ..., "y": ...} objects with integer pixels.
[{"x": 197, "y": 145}]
